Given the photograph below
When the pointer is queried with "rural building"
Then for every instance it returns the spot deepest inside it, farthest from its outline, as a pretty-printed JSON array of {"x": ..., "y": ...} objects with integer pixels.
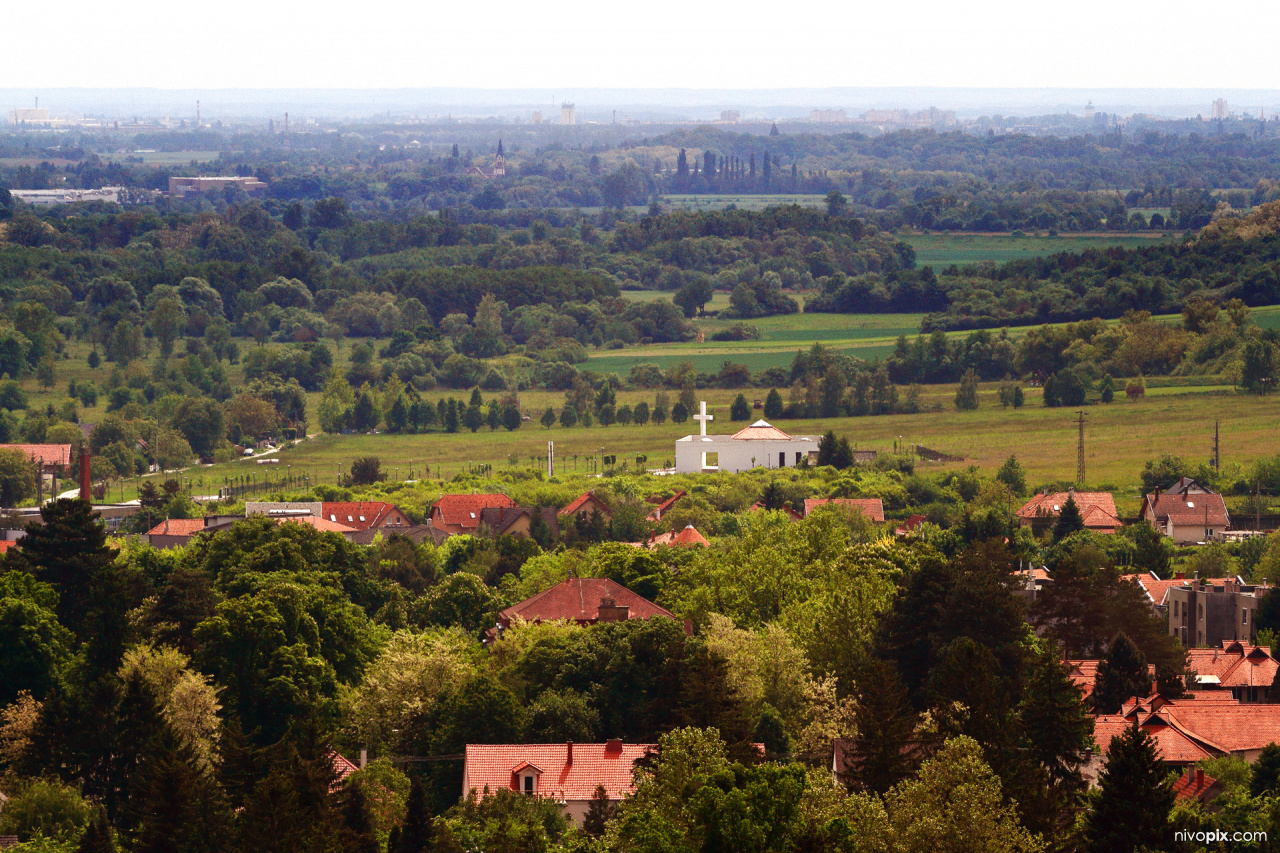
[
  {"x": 461, "y": 513},
  {"x": 1204, "y": 613},
  {"x": 1097, "y": 509},
  {"x": 517, "y": 520},
  {"x": 755, "y": 446},
  {"x": 584, "y": 601},
  {"x": 872, "y": 508},
  {"x": 53, "y": 459},
  {"x": 568, "y": 773},
  {"x": 1187, "y": 513},
  {"x": 584, "y": 505},
  {"x": 46, "y": 198},
  {"x": 174, "y": 532}
]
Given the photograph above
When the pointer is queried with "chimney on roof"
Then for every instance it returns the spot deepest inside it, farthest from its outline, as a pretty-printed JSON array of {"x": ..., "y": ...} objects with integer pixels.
[
  {"x": 611, "y": 611},
  {"x": 1199, "y": 777},
  {"x": 569, "y": 755},
  {"x": 613, "y": 744},
  {"x": 1179, "y": 576}
]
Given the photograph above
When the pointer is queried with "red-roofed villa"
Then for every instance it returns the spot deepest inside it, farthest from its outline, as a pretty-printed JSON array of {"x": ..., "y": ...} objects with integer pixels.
[
  {"x": 461, "y": 513},
  {"x": 568, "y": 773}
]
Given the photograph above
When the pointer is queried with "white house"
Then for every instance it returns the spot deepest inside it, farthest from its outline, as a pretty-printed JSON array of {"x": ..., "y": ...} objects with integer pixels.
[{"x": 760, "y": 445}]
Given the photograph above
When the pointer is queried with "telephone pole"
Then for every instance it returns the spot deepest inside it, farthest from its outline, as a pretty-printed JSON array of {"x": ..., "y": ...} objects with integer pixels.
[
  {"x": 1216, "y": 458},
  {"x": 1080, "y": 450}
]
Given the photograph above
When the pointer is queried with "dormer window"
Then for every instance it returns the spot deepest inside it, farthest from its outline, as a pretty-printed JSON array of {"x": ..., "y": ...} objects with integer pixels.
[
  {"x": 1191, "y": 504},
  {"x": 333, "y": 517},
  {"x": 525, "y": 778},
  {"x": 362, "y": 518}
]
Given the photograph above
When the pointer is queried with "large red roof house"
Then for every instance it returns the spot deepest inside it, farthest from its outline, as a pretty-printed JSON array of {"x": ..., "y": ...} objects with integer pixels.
[
  {"x": 568, "y": 773},
  {"x": 461, "y": 513}
]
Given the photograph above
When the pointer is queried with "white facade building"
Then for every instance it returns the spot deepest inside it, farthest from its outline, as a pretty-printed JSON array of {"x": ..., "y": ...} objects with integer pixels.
[{"x": 760, "y": 445}]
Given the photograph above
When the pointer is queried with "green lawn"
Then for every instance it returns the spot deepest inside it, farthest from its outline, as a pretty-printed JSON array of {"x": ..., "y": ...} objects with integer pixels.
[{"x": 718, "y": 201}]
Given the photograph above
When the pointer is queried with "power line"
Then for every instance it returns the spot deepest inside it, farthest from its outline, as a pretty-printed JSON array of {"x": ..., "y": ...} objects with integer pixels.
[{"x": 1080, "y": 451}]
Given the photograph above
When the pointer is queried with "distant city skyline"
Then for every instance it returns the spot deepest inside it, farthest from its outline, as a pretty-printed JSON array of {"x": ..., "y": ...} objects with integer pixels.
[{"x": 664, "y": 44}]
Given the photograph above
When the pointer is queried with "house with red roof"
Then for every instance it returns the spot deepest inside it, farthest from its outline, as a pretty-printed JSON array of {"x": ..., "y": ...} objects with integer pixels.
[
  {"x": 1097, "y": 509},
  {"x": 584, "y": 601},
  {"x": 174, "y": 532},
  {"x": 1187, "y": 514},
  {"x": 664, "y": 506},
  {"x": 517, "y": 520},
  {"x": 1197, "y": 786},
  {"x": 353, "y": 515},
  {"x": 584, "y": 505},
  {"x": 568, "y": 773},
  {"x": 461, "y": 513},
  {"x": 1244, "y": 671},
  {"x": 364, "y": 515},
  {"x": 872, "y": 508},
  {"x": 52, "y": 458}
]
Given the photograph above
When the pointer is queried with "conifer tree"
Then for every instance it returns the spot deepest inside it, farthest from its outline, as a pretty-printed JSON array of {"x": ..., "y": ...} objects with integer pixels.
[
  {"x": 1069, "y": 520},
  {"x": 1135, "y": 797},
  {"x": 1122, "y": 674},
  {"x": 1265, "y": 780},
  {"x": 773, "y": 404},
  {"x": 67, "y": 548},
  {"x": 97, "y": 835},
  {"x": 740, "y": 410},
  {"x": 599, "y": 812}
]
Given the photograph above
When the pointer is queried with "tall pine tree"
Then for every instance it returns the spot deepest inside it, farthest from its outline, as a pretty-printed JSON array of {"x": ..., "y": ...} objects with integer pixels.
[
  {"x": 1122, "y": 674},
  {"x": 1135, "y": 797}
]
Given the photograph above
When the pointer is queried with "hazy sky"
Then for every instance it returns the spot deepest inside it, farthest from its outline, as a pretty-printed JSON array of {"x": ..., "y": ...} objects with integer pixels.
[{"x": 660, "y": 43}]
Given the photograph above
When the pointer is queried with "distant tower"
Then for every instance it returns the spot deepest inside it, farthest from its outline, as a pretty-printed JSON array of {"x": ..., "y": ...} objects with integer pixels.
[
  {"x": 566, "y": 113},
  {"x": 1220, "y": 109},
  {"x": 1089, "y": 111},
  {"x": 197, "y": 113}
]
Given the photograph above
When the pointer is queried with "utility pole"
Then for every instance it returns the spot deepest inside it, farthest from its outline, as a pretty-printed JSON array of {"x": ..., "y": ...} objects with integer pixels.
[
  {"x": 1080, "y": 450},
  {"x": 1216, "y": 458}
]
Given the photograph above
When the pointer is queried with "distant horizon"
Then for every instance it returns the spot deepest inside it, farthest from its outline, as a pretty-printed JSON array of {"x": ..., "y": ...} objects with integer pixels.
[{"x": 683, "y": 103}]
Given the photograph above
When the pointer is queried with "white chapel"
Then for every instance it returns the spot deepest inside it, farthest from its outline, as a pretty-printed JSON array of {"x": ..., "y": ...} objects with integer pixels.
[{"x": 760, "y": 445}]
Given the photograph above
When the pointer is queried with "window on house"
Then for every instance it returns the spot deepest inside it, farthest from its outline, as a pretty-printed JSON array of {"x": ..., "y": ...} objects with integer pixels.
[
  {"x": 362, "y": 518},
  {"x": 333, "y": 517},
  {"x": 798, "y": 455},
  {"x": 782, "y": 459},
  {"x": 1244, "y": 617},
  {"x": 528, "y": 784}
]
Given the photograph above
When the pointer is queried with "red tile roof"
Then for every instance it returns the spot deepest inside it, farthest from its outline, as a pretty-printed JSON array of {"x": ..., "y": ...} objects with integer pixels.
[
  {"x": 177, "y": 527},
  {"x": 362, "y": 515},
  {"x": 1186, "y": 510},
  {"x": 690, "y": 536},
  {"x": 1195, "y": 784},
  {"x": 581, "y": 500},
  {"x": 1235, "y": 665},
  {"x": 761, "y": 431},
  {"x": 661, "y": 509},
  {"x": 578, "y": 600},
  {"x": 1098, "y": 509},
  {"x": 6, "y": 544},
  {"x": 1157, "y": 588},
  {"x": 342, "y": 768},
  {"x": 872, "y": 508},
  {"x": 464, "y": 510},
  {"x": 494, "y": 766},
  {"x": 317, "y": 523},
  {"x": 1175, "y": 745},
  {"x": 45, "y": 454}
]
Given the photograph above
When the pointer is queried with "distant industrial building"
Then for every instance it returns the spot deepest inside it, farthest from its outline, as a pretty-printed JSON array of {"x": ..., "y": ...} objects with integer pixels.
[
  {"x": 931, "y": 117},
  {"x": 828, "y": 116},
  {"x": 179, "y": 187},
  {"x": 730, "y": 116},
  {"x": 68, "y": 196},
  {"x": 1220, "y": 108},
  {"x": 567, "y": 114}
]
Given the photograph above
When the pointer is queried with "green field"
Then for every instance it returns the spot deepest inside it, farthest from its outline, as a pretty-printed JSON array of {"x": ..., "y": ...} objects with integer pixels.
[
  {"x": 1118, "y": 438},
  {"x": 942, "y": 250},
  {"x": 162, "y": 158},
  {"x": 714, "y": 201}
]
